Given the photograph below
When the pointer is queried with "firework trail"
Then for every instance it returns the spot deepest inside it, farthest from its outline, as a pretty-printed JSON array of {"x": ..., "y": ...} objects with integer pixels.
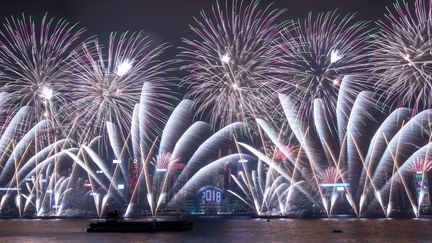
[
  {"x": 106, "y": 84},
  {"x": 227, "y": 64},
  {"x": 403, "y": 54},
  {"x": 181, "y": 154},
  {"x": 315, "y": 55},
  {"x": 34, "y": 62},
  {"x": 29, "y": 160},
  {"x": 373, "y": 155}
]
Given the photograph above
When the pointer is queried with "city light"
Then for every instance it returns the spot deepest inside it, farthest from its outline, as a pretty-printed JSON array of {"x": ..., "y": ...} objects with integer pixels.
[
  {"x": 334, "y": 185},
  {"x": 340, "y": 189},
  {"x": 318, "y": 116}
]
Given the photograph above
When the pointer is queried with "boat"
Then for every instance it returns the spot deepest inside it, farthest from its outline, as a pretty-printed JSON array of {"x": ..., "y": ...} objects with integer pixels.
[{"x": 150, "y": 224}]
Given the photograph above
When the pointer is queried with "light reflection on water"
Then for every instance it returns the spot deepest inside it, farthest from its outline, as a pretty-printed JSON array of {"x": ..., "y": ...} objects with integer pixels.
[{"x": 229, "y": 230}]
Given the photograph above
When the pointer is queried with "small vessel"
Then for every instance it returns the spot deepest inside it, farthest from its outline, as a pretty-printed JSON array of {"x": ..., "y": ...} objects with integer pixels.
[{"x": 151, "y": 224}]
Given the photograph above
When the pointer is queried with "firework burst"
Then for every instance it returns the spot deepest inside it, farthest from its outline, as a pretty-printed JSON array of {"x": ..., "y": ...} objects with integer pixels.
[
  {"x": 34, "y": 62},
  {"x": 288, "y": 150},
  {"x": 330, "y": 175},
  {"x": 403, "y": 55},
  {"x": 314, "y": 57},
  {"x": 163, "y": 161},
  {"x": 227, "y": 63},
  {"x": 107, "y": 84},
  {"x": 421, "y": 165}
]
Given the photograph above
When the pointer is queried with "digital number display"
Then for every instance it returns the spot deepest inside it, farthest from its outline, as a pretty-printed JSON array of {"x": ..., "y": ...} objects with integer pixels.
[{"x": 211, "y": 195}]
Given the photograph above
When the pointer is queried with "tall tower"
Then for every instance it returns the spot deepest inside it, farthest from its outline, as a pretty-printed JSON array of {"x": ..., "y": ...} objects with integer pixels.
[
  {"x": 420, "y": 168},
  {"x": 422, "y": 191}
]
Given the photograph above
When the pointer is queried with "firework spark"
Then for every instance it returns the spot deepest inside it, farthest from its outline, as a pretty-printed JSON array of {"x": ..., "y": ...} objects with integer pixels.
[
  {"x": 403, "y": 55},
  {"x": 227, "y": 63},
  {"x": 34, "y": 61},
  {"x": 315, "y": 56},
  {"x": 106, "y": 84}
]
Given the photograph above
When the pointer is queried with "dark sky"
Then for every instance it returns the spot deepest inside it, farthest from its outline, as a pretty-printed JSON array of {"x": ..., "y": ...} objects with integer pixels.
[{"x": 168, "y": 19}]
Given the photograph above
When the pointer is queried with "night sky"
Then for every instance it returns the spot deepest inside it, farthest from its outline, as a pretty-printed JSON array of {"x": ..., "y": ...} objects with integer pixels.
[{"x": 168, "y": 20}]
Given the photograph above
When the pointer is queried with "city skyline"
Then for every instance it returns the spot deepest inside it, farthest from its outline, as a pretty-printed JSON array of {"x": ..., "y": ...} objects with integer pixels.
[{"x": 326, "y": 100}]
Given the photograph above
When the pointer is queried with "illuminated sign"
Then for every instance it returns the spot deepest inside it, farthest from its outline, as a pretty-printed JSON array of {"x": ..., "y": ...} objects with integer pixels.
[
  {"x": 243, "y": 160},
  {"x": 120, "y": 186},
  {"x": 210, "y": 194},
  {"x": 116, "y": 161},
  {"x": 337, "y": 184},
  {"x": 9, "y": 189},
  {"x": 340, "y": 188}
]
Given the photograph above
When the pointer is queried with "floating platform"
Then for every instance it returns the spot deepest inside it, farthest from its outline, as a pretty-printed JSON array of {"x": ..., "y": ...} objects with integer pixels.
[{"x": 141, "y": 226}]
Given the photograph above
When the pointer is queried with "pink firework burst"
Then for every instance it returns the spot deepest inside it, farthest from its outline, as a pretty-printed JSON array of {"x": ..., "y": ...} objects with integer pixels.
[
  {"x": 421, "y": 165},
  {"x": 289, "y": 150},
  {"x": 331, "y": 175},
  {"x": 163, "y": 161}
]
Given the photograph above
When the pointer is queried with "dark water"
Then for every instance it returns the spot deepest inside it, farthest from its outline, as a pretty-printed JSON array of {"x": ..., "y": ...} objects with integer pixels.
[{"x": 229, "y": 230}]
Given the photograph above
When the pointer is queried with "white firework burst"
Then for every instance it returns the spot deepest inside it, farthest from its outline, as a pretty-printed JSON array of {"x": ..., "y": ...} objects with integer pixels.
[
  {"x": 227, "y": 63},
  {"x": 107, "y": 83}
]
